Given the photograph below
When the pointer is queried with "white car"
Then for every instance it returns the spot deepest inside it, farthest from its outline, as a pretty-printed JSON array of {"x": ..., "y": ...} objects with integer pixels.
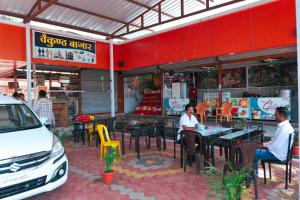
[{"x": 32, "y": 159}]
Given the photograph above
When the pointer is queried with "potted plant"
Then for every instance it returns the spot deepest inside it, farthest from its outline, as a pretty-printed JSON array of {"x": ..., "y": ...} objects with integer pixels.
[
  {"x": 110, "y": 158},
  {"x": 227, "y": 186},
  {"x": 296, "y": 144}
]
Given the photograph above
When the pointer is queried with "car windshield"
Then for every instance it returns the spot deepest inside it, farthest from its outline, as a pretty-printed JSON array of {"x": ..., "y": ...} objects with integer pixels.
[{"x": 16, "y": 117}]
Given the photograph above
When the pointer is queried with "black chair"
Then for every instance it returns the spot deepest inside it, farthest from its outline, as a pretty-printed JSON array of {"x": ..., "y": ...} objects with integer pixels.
[
  {"x": 190, "y": 149},
  {"x": 287, "y": 163},
  {"x": 260, "y": 130},
  {"x": 175, "y": 128},
  {"x": 156, "y": 130},
  {"x": 219, "y": 143},
  {"x": 142, "y": 131},
  {"x": 242, "y": 154},
  {"x": 110, "y": 124}
]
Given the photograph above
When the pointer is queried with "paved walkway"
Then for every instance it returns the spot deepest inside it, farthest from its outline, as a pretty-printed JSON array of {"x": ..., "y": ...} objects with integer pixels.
[{"x": 155, "y": 176}]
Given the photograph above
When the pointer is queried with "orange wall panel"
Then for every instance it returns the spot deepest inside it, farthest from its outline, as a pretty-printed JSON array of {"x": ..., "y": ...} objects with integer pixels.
[
  {"x": 267, "y": 26},
  {"x": 230, "y": 34},
  {"x": 273, "y": 25},
  {"x": 169, "y": 47},
  {"x": 196, "y": 41},
  {"x": 13, "y": 43}
]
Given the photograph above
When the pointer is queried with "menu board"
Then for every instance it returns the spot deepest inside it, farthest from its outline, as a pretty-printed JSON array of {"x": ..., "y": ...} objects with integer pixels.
[
  {"x": 234, "y": 78},
  {"x": 280, "y": 75},
  {"x": 264, "y": 108},
  {"x": 207, "y": 79},
  {"x": 241, "y": 107},
  {"x": 55, "y": 47}
]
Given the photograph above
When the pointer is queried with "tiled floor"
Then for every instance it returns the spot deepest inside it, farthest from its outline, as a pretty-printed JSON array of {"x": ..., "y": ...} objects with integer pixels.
[{"x": 156, "y": 176}]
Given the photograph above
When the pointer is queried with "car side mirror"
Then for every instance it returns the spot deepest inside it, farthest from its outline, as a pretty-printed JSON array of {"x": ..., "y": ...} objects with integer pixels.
[{"x": 43, "y": 120}]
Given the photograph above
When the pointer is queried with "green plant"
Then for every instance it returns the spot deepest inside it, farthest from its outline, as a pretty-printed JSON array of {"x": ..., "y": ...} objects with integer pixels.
[
  {"x": 110, "y": 158},
  {"x": 227, "y": 186},
  {"x": 59, "y": 134}
]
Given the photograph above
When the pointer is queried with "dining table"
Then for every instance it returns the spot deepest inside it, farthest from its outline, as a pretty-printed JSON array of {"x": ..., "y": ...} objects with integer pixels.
[
  {"x": 80, "y": 128},
  {"x": 139, "y": 128},
  {"x": 208, "y": 135},
  {"x": 229, "y": 139}
]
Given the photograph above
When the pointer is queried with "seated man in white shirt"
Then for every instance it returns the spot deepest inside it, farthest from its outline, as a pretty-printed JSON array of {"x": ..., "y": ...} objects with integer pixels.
[
  {"x": 188, "y": 121},
  {"x": 277, "y": 148}
]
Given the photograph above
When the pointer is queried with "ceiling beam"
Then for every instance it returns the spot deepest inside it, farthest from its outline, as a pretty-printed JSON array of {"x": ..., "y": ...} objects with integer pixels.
[
  {"x": 174, "y": 19},
  {"x": 94, "y": 14},
  {"x": 32, "y": 15},
  {"x": 3, "y": 12},
  {"x": 148, "y": 7},
  {"x": 137, "y": 17}
]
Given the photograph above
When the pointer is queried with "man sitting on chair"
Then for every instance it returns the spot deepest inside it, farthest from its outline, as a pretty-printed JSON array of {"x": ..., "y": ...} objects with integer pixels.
[
  {"x": 188, "y": 121},
  {"x": 277, "y": 148}
]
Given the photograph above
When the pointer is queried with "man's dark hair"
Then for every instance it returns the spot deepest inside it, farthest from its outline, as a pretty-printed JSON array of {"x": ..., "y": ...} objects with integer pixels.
[
  {"x": 42, "y": 93},
  {"x": 187, "y": 106},
  {"x": 20, "y": 94},
  {"x": 283, "y": 111},
  {"x": 15, "y": 94}
]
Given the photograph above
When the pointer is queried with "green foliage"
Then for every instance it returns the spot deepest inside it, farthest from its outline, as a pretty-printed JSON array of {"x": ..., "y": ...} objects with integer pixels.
[
  {"x": 110, "y": 158},
  {"x": 227, "y": 186},
  {"x": 59, "y": 134}
]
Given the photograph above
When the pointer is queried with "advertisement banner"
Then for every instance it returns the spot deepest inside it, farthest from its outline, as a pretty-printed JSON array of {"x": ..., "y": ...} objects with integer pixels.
[
  {"x": 241, "y": 107},
  {"x": 55, "y": 47},
  {"x": 175, "y": 106},
  {"x": 213, "y": 98},
  {"x": 264, "y": 108}
]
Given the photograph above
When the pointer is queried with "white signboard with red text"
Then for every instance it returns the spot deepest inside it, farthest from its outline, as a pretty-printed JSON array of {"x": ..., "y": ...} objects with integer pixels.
[{"x": 264, "y": 108}]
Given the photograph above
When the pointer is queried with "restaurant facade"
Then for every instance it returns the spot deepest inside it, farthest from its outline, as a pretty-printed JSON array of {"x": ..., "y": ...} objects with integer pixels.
[{"x": 248, "y": 58}]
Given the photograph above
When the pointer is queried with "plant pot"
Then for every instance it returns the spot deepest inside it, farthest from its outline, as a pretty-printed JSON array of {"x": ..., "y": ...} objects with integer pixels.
[
  {"x": 108, "y": 177},
  {"x": 296, "y": 150}
]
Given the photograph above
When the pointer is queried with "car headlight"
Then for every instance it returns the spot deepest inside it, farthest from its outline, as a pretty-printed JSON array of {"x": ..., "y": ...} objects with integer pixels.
[{"x": 57, "y": 147}]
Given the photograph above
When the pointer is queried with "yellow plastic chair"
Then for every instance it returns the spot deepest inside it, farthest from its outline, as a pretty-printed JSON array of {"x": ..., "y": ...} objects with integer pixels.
[
  {"x": 90, "y": 129},
  {"x": 106, "y": 142}
]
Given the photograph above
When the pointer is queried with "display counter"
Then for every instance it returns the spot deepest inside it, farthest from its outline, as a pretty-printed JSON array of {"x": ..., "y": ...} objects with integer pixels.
[{"x": 61, "y": 111}]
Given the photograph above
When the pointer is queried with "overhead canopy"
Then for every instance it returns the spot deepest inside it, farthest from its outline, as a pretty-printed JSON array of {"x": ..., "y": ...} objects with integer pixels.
[{"x": 123, "y": 19}]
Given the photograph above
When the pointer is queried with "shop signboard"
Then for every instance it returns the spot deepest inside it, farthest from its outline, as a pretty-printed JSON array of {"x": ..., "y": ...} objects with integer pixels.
[
  {"x": 264, "y": 108},
  {"x": 212, "y": 98},
  {"x": 55, "y": 47},
  {"x": 175, "y": 106},
  {"x": 241, "y": 107}
]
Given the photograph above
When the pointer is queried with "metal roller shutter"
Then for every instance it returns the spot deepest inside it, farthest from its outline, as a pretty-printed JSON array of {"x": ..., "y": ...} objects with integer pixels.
[{"x": 96, "y": 98}]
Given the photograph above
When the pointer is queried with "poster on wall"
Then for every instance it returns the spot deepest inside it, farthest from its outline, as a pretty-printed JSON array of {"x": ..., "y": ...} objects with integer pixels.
[
  {"x": 263, "y": 76},
  {"x": 234, "y": 78},
  {"x": 241, "y": 107},
  {"x": 264, "y": 108},
  {"x": 175, "y": 106},
  {"x": 207, "y": 79},
  {"x": 55, "y": 47}
]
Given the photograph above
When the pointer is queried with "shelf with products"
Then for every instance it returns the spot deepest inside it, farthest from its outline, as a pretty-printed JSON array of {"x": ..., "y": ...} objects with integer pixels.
[{"x": 150, "y": 104}]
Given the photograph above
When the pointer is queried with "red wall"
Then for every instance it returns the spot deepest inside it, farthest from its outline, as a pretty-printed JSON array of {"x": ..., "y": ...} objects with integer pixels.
[
  {"x": 12, "y": 41},
  {"x": 13, "y": 47},
  {"x": 267, "y": 26}
]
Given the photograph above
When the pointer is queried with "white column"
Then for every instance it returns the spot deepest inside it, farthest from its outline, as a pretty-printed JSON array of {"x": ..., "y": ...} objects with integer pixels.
[
  {"x": 28, "y": 65},
  {"x": 298, "y": 59},
  {"x": 112, "y": 83}
]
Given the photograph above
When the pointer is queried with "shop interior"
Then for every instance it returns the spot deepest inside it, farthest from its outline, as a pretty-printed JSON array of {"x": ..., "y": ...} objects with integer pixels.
[{"x": 251, "y": 84}]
